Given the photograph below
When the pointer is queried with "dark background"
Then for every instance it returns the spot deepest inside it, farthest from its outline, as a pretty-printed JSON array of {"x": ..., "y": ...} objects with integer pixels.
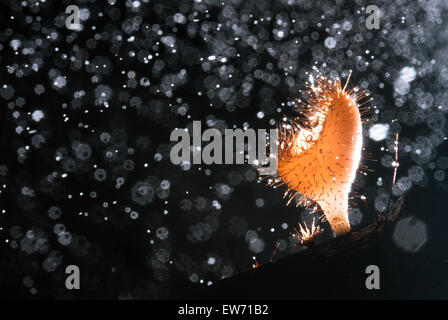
[{"x": 213, "y": 225}]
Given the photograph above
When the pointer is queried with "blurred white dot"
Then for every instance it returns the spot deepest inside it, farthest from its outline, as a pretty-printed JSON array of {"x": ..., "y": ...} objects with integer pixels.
[
  {"x": 378, "y": 131},
  {"x": 410, "y": 234},
  {"x": 330, "y": 42},
  {"x": 37, "y": 115}
]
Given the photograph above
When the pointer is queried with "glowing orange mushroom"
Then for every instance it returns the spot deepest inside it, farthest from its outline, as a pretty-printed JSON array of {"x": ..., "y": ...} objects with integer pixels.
[{"x": 320, "y": 149}]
